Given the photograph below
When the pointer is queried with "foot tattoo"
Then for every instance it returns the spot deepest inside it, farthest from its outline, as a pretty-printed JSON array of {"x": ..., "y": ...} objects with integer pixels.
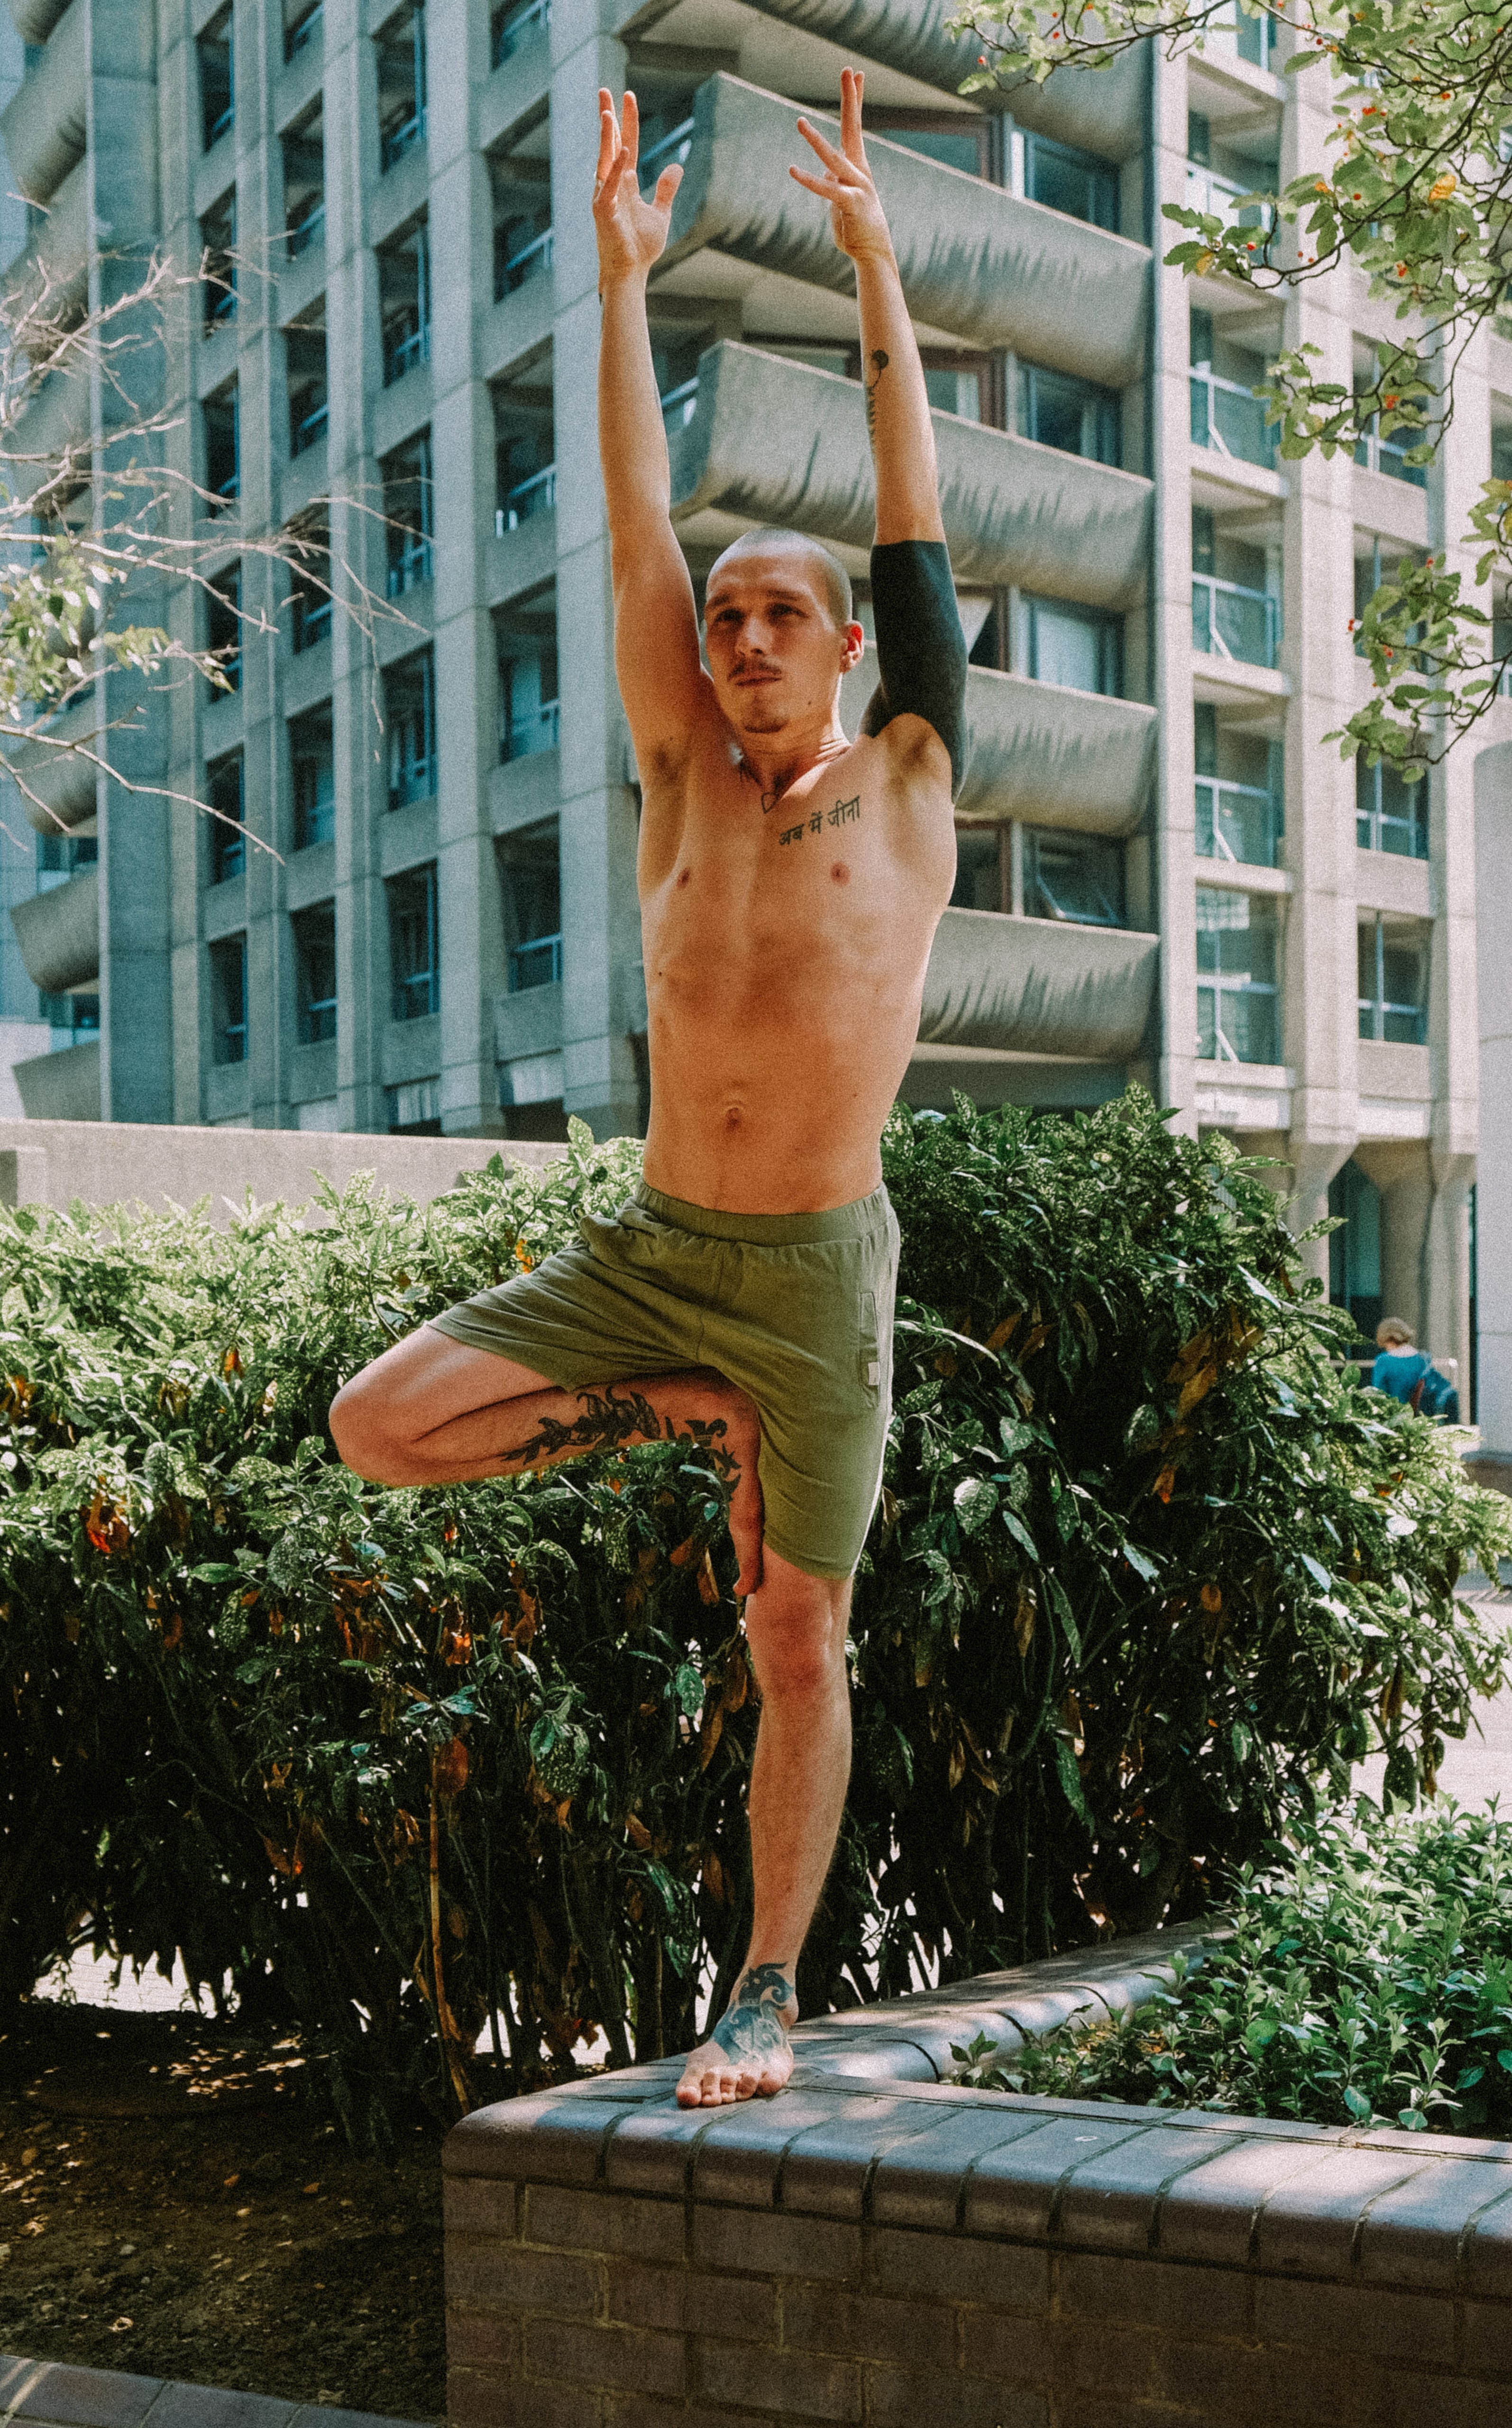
[{"x": 752, "y": 2025}]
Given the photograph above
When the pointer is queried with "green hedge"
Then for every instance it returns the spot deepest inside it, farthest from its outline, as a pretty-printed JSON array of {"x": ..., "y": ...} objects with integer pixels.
[{"x": 1149, "y": 1572}]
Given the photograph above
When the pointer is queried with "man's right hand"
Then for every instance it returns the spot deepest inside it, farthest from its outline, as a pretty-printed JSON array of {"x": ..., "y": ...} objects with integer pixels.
[{"x": 631, "y": 231}]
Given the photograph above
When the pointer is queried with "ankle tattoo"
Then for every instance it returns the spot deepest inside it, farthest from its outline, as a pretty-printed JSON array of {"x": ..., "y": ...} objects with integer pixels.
[
  {"x": 751, "y": 2025},
  {"x": 611, "y": 1420}
]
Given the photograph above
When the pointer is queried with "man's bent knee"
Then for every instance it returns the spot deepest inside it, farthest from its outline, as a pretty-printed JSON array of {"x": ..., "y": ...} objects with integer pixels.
[{"x": 796, "y": 1629}]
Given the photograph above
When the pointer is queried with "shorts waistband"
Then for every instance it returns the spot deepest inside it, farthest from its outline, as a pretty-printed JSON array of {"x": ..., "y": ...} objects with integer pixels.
[{"x": 857, "y": 1221}]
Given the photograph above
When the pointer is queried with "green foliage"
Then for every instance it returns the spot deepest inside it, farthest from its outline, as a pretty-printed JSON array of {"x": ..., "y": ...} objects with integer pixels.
[
  {"x": 1415, "y": 199},
  {"x": 1148, "y": 1573},
  {"x": 1368, "y": 1982}
]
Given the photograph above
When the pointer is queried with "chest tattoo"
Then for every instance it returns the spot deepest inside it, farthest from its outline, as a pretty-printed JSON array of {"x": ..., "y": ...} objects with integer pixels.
[{"x": 842, "y": 814}]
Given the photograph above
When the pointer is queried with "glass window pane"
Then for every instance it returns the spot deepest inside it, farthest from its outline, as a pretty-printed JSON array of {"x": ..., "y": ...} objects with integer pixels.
[
  {"x": 956, "y": 151},
  {"x": 978, "y": 879}
]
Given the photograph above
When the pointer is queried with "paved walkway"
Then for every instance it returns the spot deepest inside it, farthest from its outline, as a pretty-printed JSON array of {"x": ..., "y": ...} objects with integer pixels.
[
  {"x": 1480, "y": 1766},
  {"x": 47, "y": 2394}
]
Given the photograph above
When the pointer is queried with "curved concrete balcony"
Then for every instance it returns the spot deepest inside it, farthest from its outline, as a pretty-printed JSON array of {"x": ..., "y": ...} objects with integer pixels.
[
  {"x": 59, "y": 933},
  {"x": 977, "y": 264},
  {"x": 53, "y": 272},
  {"x": 62, "y": 1086},
  {"x": 1103, "y": 110},
  {"x": 44, "y": 126},
  {"x": 1036, "y": 751},
  {"x": 772, "y": 441},
  {"x": 61, "y": 787},
  {"x": 35, "y": 18},
  {"x": 1032, "y": 986}
]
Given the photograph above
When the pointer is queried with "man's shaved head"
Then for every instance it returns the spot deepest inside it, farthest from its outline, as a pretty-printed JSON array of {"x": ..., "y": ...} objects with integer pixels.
[{"x": 832, "y": 579}]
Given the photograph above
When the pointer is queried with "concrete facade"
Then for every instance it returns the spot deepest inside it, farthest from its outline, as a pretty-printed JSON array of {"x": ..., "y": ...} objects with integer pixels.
[{"x": 1164, "y": 874}]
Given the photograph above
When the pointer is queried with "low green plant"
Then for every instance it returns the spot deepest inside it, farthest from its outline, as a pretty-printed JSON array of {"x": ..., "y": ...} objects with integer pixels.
[
  {"x": 1365, "y": 1979},
  {"x": 1148, "y": 1575}
]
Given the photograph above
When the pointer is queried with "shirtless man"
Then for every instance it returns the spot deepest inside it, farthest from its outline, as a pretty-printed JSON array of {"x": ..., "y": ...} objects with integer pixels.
[{"x": 790, "y": 886}]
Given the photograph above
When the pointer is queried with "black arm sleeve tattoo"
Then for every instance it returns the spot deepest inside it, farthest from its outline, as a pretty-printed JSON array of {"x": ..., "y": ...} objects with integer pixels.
[{"x": 921, "y": 650}]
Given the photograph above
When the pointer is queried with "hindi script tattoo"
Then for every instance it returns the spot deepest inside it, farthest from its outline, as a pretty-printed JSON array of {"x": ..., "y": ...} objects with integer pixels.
[{"x": 839, "y": 817}]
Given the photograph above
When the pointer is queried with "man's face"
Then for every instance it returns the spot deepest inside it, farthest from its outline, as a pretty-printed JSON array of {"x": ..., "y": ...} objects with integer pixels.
[{"x": 775, "y": 651}]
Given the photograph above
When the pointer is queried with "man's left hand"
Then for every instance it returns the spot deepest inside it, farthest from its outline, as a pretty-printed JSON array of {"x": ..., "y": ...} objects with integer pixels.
[{"x": 856, "y": 215}]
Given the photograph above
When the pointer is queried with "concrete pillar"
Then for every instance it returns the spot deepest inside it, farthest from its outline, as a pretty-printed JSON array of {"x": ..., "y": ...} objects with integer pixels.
[
  {"x": 1314, "y": 1162},
  {"x": 603, "y": 991},
  {"x": 1493, "y": 1196},
  {"x": 462, "y": 442},
  {"x": 1169, "y": 613}
]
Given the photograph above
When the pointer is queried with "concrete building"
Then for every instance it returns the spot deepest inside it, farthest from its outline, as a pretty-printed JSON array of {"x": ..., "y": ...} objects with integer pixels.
[{"x": 1164, "y": 874}]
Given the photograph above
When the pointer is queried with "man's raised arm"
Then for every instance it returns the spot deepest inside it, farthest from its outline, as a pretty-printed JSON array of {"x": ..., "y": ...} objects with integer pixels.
[
  {"x": 656, "y": 625},
  {"x": 921, "y": 651}
]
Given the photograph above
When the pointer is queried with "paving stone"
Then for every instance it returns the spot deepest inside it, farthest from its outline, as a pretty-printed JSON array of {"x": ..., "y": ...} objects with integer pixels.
[
  {"x": 1211, "y": 2214},
  {"x": 1412, "y": 2235},
  {"x": 920, "y": 2181},
  {"x": 650, "y": 2148},
  {"x": 1309, "y": 2223},
  {"x": 1011, "y": 2190},
  {"x": 826, "y": 2171},
  {"x": 1008, "y": 2275},
  {"x": 1485, "y": 2254},
  {"x": 604, "y": 2222},
  {"x": 74, "y": 2398},
  {"x": 796, "y": 2386},
  {"x": 205, "y": 2407},
  {"x": 878, "y": 2060},
  {"x": 547, "y": 2140},
  {"x": 1112, "y": 2201}
]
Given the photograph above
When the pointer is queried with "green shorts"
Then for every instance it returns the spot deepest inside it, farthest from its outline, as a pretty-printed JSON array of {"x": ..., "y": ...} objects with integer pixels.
[{"x": 794, "y": 1310}]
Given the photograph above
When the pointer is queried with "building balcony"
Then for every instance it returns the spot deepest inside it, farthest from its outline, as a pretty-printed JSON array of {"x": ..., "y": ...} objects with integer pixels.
[
  {"x": 1036, "y": 751},
  {"x": 1036, "y": 986},
  {"x": 1102, "y": 109},
  {"x": 976, "y": 263},
  {"x": 44, "y": 126},
  {"x": 59, "y": 933},
  {"x": 52, "y": 274},
  {"x": 1230, "y": 620},
  {"x": 61, "y": 787},
  {"x": 62, "y": 1086},
  {"x": 774, "y": 441},
  {"x": 1229, "y": 420}
]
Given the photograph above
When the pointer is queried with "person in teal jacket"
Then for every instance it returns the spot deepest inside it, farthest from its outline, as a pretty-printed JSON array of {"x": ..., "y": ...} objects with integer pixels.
[{"x": 1403, "y": 1370}]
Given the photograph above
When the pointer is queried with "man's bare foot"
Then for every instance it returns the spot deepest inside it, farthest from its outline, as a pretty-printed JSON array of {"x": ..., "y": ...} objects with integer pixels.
[{"x": 747, "y": 2055}]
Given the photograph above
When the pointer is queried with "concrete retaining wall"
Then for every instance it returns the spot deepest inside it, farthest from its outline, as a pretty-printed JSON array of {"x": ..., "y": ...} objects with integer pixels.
[
  {"x": 51, "y": 1163},
  {"x": 878, "y": 2249}
]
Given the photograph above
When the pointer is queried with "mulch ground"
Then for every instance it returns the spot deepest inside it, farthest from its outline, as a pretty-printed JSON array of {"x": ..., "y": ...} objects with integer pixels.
[{"x": 174, "y": 2200}]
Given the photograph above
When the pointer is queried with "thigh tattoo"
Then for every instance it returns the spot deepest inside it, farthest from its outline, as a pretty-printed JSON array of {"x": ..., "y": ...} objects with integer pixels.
[{"x": 611, "y": 1420}]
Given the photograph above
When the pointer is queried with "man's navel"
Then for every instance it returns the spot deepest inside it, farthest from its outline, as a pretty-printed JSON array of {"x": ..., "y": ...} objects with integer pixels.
[{"x": 841, "y": 873}]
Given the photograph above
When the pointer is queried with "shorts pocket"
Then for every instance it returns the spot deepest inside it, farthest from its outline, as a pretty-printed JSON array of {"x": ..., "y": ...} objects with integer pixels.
[{"x": 870, "y": 1348}]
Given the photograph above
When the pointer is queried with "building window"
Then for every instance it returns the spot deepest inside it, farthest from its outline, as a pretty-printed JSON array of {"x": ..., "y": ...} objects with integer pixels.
[
  {"x": 1072, "y": 414},
  {"x": 218, "y": 94},
  {"x": 302, "y": 24},
  {"x": 73, "y": 1018},
  {"x": 1236, "y": 994},
  {"x": 512, "y": 23},
  {"x": 1226, "y": 415},
  {"x": 1077, "y": 878},
  {"x": 305, "y": 356},
  {"x": 315, "y": 973},
  {"x": 404, "y": 302},
  {"x": 937, "y": 134},
  {"x": 1386, "y": 454},
  {"x": 531, "y": 866},
  {"x": 61, "y": 856},
  {"x": 414, "y": 964},
  {"x": 1390, "y": 815},
  {"x": 226, "y": 796},
  {"x": 529, "y": 706},
  {"x": 228, "y": 1000},
  {"x": 223, "y": 628},
  {"x": 406, "y": 477},
  {"x": 1355, "y": 1252},
  {"x": 1240, "y": 798},
  {"x": 312, "y": 776},
  {"x": 221, "y": 416},
  {"x": 398, "y": 47},
  {"x": 310, "y": 601},
  {"x": 304, "y": 148},
  {"x": 415, "y": 1110},
  {"x": 524, "y": 447},
  {"x": 409, "y": 711},
  {"x": 1078, "y": 646},
  {"x": 1234, "y": 613},
  {"x": 1375, "y": 567},
  {"x": 218, "y": 263},
  {"x": 520, "y": 179},
  {"x": 1393, "y": 983},
  {"x": 969, "y": 385},
  {"x": 1064, "y": 179},
  {"x": 983, "y": 869}
]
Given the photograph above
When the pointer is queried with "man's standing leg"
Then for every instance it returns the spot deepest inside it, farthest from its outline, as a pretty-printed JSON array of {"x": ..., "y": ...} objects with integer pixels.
[{"x": 796, "y": 1629}]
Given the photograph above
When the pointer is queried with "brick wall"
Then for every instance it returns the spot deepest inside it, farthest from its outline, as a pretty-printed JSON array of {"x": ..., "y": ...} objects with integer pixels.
[{"x": 912, "y": 2255}]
